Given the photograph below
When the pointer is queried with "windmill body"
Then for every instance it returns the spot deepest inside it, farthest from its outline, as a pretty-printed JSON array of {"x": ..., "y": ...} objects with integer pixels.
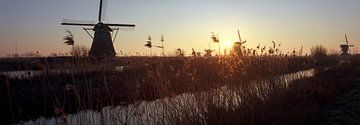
[
  {"x": 237, "y": 47},
  {"x": 345, "y": 52},
  {"x": 102, "y": 45}
]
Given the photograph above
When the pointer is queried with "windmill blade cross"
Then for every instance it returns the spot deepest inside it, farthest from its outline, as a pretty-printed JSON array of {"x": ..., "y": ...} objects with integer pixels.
[
  {"x": 88, "y": 28},
  {"x": 77, "y": 22},
  {"x": 102, "y": 10},
  {"x": 346, "y": 39},
  {"x": 239, "y": 36},
  {"x": 121, "y": 25}
]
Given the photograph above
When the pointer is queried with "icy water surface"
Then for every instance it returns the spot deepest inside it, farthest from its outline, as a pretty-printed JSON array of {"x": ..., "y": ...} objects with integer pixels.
[{"x": 160, "y": 111}]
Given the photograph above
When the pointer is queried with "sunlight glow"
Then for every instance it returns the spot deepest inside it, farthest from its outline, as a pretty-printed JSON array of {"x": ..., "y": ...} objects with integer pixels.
[{"x": 227, "y": 44}]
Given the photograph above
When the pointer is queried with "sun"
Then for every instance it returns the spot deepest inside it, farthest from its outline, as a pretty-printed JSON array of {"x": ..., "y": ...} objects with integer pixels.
[{"x": 228, "y": 44}]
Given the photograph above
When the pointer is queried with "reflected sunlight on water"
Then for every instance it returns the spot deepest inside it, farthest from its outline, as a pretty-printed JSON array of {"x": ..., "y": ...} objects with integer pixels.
[{"x": 163, "y": 111}]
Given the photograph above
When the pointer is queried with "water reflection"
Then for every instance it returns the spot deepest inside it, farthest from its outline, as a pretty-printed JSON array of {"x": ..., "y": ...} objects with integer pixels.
[{"x": 168, "y": 110}]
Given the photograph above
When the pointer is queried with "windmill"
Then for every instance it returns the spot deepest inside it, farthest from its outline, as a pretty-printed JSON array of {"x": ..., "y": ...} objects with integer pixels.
[
  {"x": 102, "y": 45},
  {"x": 237, "y": 48},
  {"x": 345, "y": 48}
]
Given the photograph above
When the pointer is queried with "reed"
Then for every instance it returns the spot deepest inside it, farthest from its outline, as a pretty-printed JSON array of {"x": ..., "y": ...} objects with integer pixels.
[{"x": 183, "y": 90}]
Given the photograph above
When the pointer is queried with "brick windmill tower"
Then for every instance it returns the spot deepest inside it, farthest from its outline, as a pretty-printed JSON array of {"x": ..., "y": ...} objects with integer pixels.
[{"x": 102, "y": 45}]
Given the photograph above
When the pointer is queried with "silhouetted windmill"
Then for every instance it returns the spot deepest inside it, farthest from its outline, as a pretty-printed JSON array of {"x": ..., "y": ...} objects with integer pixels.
[
  {"x": 345, "y": 48},
  {"x": 102, "y": 45},
  {"x": 237, "y": 47}
]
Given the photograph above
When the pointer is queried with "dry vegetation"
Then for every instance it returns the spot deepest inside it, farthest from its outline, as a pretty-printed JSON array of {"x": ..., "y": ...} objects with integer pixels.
[{"x": 226, "y": 90}]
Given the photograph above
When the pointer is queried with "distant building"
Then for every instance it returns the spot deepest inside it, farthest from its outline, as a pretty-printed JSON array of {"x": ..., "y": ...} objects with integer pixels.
[
  {"x": 237, "y": 49},
  {"x": 345, "y": 49}
]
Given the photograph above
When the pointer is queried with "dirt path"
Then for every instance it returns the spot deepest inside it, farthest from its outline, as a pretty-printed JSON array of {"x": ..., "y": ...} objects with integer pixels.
[{"x": 345, "y": 109}]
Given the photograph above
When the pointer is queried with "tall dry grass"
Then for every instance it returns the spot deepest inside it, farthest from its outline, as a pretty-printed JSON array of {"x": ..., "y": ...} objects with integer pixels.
[{"x": 94, "y": 85}]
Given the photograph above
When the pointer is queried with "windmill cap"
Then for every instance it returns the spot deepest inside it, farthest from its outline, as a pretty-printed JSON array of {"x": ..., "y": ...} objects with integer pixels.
[{"x": 101, "y": 27}]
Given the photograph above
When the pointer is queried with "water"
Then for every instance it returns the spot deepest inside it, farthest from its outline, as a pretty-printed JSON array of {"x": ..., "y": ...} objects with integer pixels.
[
  {"x": 28, "y": 74},
  {"x": 161, "y": 111}
]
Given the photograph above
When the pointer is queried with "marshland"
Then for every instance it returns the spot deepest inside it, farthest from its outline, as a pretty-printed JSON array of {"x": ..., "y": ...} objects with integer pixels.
[{"x": 277, "y": 89}]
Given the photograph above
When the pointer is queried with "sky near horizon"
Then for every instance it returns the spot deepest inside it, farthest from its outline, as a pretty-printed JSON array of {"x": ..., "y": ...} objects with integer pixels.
[{"x": 35, "y": 24}]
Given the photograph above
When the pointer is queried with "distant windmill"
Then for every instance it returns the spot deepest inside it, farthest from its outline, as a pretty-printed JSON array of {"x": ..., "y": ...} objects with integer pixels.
[
  {"x": 345, "y": 48},
  {"x": 102, "y": 45},
  {"x": 237, "y": 47}
]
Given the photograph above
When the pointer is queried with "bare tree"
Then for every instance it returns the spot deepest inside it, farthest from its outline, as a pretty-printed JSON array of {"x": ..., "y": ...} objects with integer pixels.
[{"x": 318, "y": 51}]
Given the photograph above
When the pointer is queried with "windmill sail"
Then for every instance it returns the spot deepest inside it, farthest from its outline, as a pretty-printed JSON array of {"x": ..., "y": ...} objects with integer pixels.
[
  {"x": 346, "y": 39},
  {"x": 239, "y": 35},
  {"x": 102, "y": 10},
  {"x": 77, "y": 22},
  {"x": 121, "y": 25}
]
